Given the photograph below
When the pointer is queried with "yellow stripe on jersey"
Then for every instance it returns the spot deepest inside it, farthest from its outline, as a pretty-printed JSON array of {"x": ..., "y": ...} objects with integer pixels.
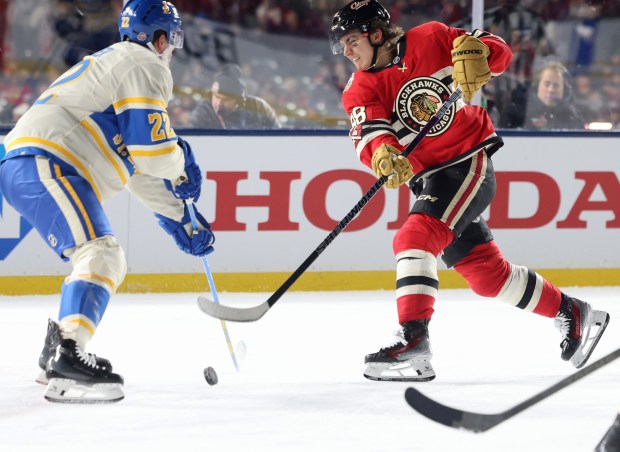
[
  {"x": 63, "y": 180},
  {"x": 125, "y": 103},
  {"x": 102, "y": 146},
  {"x": 75, "y": 162},
  {"x": 153, "y": 152},
  {"x": 80, "y": 320},
  {"x": 99, "y": 278}
]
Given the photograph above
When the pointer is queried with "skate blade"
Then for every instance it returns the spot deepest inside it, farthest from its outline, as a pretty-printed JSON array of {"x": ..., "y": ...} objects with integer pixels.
[
  {"x": 405, "y": 371},
  {"x": 596, "y": 323},
  {"x": 42, "y": 378},
  {"x": 62, "y": 390}
]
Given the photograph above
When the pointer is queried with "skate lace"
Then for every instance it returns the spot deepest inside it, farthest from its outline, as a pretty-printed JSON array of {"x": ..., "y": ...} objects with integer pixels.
[
  {"x": 400, "y": 340},
  {"x": 562, "y": 323},
  {"x": 87, "y": 358}
]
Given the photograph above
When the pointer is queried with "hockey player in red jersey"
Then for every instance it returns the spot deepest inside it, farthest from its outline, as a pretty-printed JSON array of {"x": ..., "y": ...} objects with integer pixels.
[{"x": 402, "y": 79}]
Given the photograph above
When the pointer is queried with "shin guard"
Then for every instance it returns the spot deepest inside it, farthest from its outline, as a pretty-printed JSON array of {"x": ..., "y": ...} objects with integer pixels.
[
  {"x": 416, "y": 246},
  {"x": 82, "y": 305},
  {"x": 416, "y": 285},
  {"x": 489, "y": 274}
]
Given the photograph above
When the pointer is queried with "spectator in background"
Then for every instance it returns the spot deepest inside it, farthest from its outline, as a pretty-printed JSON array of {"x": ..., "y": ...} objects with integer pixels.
[
  {"x": 269, "y": 16},
  {"x": 228, "y": 106},
  {"x": 524, "y": 31},
  {"x": 549, "y": 105},
  {"x": 587, "y": 100},
  {"x": 552, "y": 10},
  {"x": 85, "y": 27},
  {"x": 452, "y": 11}
]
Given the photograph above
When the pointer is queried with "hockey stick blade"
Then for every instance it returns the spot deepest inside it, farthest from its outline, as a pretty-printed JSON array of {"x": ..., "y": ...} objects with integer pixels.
[
  {"x": 479, "y": 422},
  {"x": 220, "y": 311}
]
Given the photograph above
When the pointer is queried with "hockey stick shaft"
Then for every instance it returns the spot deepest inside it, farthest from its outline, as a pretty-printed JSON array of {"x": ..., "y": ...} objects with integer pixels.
[
  {"x": 233, "y": 355},
  {"x": 253, "y": 314},
  {"x": 361, "y": 203},
  {"x": 205, "y": 262},
  {"x": 479, "y": 422}
]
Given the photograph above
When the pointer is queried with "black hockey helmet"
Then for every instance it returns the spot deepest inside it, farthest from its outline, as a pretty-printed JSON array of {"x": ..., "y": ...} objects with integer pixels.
[{"x": 356, "y": 15}]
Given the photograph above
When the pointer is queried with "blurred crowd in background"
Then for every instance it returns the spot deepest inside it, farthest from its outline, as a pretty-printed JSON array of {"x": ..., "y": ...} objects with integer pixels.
[{"x": 281, "y": 47}]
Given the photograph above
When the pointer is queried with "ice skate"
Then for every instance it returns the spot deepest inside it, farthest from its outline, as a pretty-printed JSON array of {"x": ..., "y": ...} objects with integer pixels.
[
  {"x": 52, "y": 339},
  {"x": 581, "y": 328},
  {"x": 408, "y": 359},
  {"x": 75, "y": 377}
]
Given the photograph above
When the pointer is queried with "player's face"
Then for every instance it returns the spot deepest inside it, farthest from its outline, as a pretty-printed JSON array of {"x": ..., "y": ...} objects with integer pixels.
[
  {"x": 550, "y": 88},
  {"x": 164, "y": 49},
  {"x": 223, "y": 104},
  {"x": 357, "y": 49}
]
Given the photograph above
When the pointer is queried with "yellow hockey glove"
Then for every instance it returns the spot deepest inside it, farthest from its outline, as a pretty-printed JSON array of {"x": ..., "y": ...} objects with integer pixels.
[
  {"x": 471, "y": 68},
  {"x": 387, "y": 161}
]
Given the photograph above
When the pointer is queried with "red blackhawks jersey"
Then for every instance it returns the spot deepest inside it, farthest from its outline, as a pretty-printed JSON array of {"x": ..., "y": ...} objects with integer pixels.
[{"x": 392, "y": 104}]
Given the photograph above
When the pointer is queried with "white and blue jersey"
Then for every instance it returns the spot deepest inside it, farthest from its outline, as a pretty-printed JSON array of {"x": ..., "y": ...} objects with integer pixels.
[
  {"x": 101, "y": 127},
  {"x": 103, "y": 120}
]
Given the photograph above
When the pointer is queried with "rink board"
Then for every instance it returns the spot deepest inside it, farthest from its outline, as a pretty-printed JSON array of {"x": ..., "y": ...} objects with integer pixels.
[{"x": 273, "y": 199}]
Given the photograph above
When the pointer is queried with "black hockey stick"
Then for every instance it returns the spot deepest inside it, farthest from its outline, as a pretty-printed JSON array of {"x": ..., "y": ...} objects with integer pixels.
[
  {"x": 223, "y": 312},
  {"x": 478, "y": 422}
]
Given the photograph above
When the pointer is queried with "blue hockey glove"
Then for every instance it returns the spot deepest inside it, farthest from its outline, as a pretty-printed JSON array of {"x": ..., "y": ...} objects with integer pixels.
[
  {"x": 196, "y": 244},
  {"x": 190, "y": 188}
]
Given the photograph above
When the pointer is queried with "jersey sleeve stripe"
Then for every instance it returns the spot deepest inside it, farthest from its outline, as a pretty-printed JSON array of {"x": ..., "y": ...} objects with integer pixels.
[
  {"x": 485, "y": 34},
  {"x": 368, "y": 137},
  {"x": 104, "y": 149},
  {"x": 138, "y": 102},
  {"x": 148, "y": 152},
  {"x": 55, "y": 149}
]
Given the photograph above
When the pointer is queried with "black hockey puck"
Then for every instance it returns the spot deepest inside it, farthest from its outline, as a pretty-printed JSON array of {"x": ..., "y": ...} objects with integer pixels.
[{"x": 210, "y": 375}]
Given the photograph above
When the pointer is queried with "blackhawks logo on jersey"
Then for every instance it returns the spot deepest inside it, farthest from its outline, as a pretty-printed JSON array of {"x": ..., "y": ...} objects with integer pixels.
[{"x": 418, "y": 100}]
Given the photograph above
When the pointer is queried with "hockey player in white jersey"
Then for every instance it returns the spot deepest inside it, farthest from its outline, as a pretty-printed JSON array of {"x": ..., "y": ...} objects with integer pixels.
[{"x": 100, "y": 128}]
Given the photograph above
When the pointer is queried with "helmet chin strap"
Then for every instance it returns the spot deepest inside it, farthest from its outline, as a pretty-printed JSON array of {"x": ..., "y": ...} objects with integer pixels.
[
  {"x": 165, "y": 56},
  {"x": 375, "y": 52}
]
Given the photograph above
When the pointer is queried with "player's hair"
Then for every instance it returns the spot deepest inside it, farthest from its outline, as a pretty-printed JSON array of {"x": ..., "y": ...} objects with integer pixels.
[{"x": 391, "y": 32}]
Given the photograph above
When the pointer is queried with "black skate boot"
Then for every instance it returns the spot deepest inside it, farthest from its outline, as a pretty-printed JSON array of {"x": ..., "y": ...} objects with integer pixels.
[
  {"x": 75, "y": 377},
  {"x": 52, "y": 339},
  {"x": 409, "y": 359},
  {"x": 611, "y": 440},
  {"x": 581, "y": 328}
]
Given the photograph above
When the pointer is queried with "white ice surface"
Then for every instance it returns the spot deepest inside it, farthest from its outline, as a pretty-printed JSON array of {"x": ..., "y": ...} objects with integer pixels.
[{"x": 301, "y": 386}]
